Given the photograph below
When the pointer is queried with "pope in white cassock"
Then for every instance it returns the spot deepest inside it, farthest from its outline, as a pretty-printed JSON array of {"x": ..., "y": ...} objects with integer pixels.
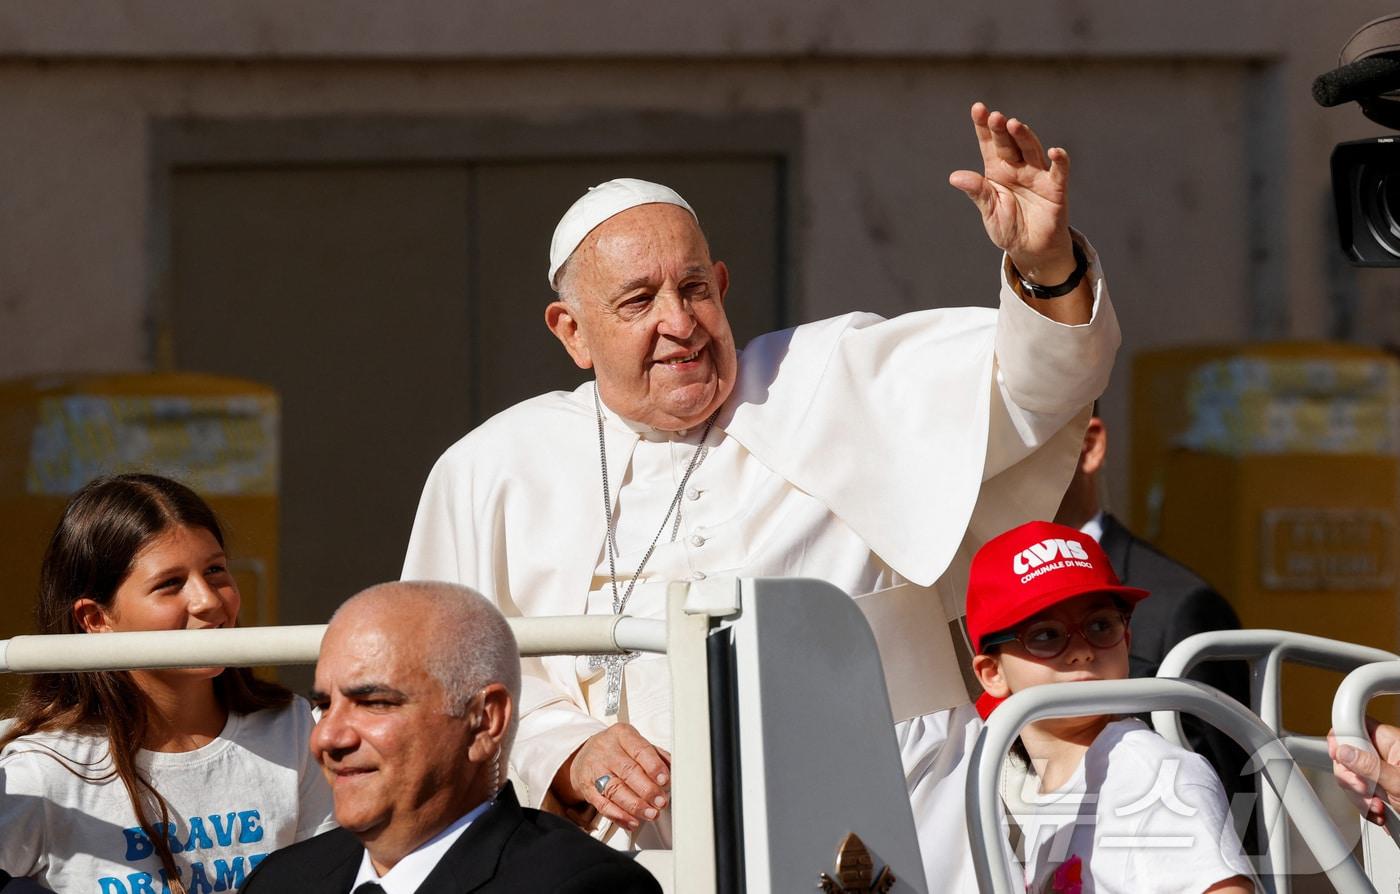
[{"x": 862, "y": 451}]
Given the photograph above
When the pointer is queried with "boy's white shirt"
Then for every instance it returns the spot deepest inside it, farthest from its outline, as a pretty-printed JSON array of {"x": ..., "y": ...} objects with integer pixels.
[{"x": 1140, "y": 814}]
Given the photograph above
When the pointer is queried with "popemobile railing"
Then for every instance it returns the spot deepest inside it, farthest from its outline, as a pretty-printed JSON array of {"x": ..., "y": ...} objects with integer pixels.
[
  {"x": 1266, "y": 651},
  {"x": 1277, "y": 767},
  {"x": 260, "y": 646},
  {"x": 1349, "y": 726}
]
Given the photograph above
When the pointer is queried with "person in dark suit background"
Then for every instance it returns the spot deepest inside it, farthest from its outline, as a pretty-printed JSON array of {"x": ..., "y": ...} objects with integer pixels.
[
  {"x": 1181, "y": 604},
  {"x": 418, "y": 685}
]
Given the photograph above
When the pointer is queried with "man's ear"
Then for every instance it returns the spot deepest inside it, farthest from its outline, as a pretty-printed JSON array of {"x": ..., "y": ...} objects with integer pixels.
[
  {"x": 988, "y": 672},
  {"x": 1095, "y": 451},
  {"x": 496, "y": 711},
  {"x": 722, "y": 279},
  {"x": 91, "y": 617},
  {"x": 560, "y": 317}
]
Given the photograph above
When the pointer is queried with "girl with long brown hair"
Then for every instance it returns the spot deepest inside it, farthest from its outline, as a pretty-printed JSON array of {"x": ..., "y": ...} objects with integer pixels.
[{"x": 149, "y": 781}]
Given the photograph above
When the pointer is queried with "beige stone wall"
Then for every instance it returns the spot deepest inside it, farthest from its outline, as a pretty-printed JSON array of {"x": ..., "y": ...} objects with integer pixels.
[
  {"x": 1200, "y": 160},
  {"x": 536, "y": 29}
]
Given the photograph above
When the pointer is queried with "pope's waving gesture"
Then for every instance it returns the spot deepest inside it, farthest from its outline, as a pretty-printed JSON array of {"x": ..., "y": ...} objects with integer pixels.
[{"x": 1023, "y": 196}]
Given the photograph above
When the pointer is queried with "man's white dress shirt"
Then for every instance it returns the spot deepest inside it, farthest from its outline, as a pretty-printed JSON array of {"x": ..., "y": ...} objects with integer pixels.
[{"x": 407, "y": 875}]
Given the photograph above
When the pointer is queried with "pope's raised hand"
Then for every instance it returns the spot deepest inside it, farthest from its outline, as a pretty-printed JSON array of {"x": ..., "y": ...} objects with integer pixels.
[
  {"x": 1022, "y": 195},
  {"x": 634, "y": 776}
]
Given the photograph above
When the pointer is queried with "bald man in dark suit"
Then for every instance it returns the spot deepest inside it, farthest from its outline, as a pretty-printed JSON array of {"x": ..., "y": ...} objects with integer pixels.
[{"x": 417, "y": 685}]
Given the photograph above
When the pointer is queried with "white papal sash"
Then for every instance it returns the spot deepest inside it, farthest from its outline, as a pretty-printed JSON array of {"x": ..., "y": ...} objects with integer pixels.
[{"x": 922, "y": 673}]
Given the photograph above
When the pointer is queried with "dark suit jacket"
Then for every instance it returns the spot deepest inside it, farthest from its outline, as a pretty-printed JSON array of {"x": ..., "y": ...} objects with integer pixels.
[
  {"x": 12, "y": 885},
  {"x": 508, "y": 848},
  {"x": 1181, "y": 604}
]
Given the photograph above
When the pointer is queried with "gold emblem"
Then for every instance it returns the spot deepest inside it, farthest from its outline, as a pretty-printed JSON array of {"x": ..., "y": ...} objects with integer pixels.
[{"x": 855, "y": 871}]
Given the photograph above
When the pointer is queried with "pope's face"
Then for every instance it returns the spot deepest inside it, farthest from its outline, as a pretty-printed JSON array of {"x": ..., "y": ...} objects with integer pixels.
[{"x": 647, "y": 315}]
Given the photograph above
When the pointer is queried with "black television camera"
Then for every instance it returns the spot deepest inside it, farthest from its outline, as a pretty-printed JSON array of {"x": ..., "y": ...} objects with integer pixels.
[{"x": 1366, "y": 173}]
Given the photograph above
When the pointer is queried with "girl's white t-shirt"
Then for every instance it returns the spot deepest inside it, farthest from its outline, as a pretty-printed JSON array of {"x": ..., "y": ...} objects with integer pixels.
[
  {"x": 249, "y": 792},
  {"x": 1140, "y": 815}
]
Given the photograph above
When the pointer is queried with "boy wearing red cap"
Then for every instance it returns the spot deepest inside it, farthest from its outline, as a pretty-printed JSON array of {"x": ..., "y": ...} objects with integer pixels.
[{"x": 1109, "y": 805}]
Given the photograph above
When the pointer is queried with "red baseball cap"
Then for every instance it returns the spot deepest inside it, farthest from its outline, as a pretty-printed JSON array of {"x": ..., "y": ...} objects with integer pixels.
[{"x": 1028, "y": 569}]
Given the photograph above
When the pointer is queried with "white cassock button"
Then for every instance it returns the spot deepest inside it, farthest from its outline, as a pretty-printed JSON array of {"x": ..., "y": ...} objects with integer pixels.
[
  {"x": 698, "y": 575},
  {"x": 697, "y": 540},
  {"x": 693, "y": 493}
]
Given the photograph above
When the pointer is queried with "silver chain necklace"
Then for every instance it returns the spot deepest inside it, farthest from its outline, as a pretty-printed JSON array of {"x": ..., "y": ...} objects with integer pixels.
[{"x": 613, "y": 664}]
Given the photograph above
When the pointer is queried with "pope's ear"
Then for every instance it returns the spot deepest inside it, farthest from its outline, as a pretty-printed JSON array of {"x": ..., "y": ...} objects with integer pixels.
[
  {"x": 988, "y": 672},
  {"x": 722, "y": 279},
  {"x": 560, "y": 317},
  {"x": 91, "y": 617}
]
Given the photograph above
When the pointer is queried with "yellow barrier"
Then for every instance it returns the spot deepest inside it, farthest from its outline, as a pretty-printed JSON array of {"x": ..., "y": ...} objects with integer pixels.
[{"x": 1271, "y": 470}]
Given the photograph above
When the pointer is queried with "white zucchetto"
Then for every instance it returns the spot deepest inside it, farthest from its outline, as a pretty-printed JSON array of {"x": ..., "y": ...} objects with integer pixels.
[{"x": 597, "y": 205}]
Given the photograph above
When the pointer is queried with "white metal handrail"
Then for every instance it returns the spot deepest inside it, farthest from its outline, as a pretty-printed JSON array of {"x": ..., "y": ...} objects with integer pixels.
[
  {"x": 1127, "y": 697},
  {"x": 1349, "y": 714},
  {"x": 1266, "y": 651},
  {"x": 1269, "y": 648},
  {"x": 254, "y": 646}
]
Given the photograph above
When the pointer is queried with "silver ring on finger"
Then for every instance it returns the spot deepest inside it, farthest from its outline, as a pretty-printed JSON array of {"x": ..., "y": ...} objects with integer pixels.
[{"x": 601, "y": 783}]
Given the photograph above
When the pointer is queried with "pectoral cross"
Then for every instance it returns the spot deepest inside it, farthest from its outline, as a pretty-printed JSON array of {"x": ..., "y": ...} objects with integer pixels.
[{"x": 612, "y": 668}]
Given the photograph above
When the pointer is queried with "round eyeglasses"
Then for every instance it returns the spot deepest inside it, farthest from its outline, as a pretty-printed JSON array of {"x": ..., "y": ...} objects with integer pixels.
[{"x": 1102, "y": 629}]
